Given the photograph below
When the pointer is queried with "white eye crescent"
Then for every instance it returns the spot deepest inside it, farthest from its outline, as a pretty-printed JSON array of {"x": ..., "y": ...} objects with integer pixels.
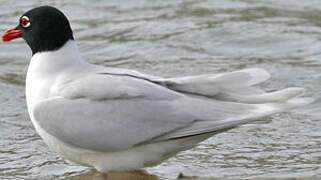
[{"x": 25, "y": 22}]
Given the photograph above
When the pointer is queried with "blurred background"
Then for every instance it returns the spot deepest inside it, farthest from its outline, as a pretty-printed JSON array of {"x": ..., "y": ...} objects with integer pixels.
[{"x": 176, "y": 38}]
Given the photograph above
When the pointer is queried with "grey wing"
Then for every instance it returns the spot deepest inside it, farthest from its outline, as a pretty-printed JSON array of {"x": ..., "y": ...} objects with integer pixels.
[
  {"x": 109, "y": 125},
  {"x": 112, "y": 125},
  {"x": 237, "y": 86},
  {"x": 107, "y": 112},
  {"x": 118, "y": 124},
  {"x": 214, "y": 85},
  {"x": 105, "y": 116}
]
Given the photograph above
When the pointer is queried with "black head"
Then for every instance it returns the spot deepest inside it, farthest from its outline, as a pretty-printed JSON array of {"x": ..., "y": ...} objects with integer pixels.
[{"x": 44, "y": 28}]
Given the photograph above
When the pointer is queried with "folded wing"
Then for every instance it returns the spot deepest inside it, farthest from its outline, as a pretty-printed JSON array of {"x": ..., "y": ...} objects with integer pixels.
[{"x": 120, "y": 111}]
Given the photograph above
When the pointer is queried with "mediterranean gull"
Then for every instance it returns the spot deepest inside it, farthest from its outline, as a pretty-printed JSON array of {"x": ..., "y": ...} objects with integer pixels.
[{"x": 116, "y": 119}]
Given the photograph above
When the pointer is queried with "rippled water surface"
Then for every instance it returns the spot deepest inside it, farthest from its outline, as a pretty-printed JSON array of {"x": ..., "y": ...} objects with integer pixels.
[{"x": 172, "y": 38}]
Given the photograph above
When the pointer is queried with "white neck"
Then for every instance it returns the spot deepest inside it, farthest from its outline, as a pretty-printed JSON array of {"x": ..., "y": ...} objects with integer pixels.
[
  {"x": 56, "y": 61},
  {"x": 46, "y": 68}
]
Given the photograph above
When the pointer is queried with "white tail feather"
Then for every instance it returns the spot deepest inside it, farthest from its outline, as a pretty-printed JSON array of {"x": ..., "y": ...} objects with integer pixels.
[{"x": 277, "y": 96}]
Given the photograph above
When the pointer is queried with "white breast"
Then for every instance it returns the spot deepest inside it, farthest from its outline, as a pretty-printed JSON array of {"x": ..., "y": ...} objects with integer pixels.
[{"x": 44, "y": 71}]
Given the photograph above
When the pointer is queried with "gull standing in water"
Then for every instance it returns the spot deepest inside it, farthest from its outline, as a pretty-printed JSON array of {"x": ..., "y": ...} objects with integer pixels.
[{"x": 118, "y": 119}]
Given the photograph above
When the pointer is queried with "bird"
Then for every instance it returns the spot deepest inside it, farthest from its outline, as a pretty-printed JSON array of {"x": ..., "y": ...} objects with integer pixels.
[{"x": 114, "y": 119}]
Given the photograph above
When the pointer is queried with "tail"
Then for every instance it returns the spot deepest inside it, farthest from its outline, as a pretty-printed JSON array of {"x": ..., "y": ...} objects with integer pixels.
[
  {"x": 237, "y": 86},
  {"x": 215, "y": 115}
]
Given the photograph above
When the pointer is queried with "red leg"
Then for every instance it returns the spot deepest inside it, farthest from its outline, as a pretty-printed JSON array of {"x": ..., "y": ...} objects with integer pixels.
[{"x": 104, "y": 176}]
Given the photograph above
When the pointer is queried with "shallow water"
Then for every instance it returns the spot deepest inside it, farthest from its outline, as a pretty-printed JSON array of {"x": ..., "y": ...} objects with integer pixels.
[{"x": 173, "y": 38}]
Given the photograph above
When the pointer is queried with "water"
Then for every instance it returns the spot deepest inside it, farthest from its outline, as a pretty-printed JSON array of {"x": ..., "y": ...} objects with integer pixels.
[{"x": 173, "y": 38}]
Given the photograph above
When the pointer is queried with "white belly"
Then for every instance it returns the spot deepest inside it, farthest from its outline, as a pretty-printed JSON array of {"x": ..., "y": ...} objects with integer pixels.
[{"x": 130, "y": 159}]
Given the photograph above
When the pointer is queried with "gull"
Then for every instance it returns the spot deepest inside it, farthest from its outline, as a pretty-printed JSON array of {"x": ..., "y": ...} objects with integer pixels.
[{"x": 116, "y": 119}]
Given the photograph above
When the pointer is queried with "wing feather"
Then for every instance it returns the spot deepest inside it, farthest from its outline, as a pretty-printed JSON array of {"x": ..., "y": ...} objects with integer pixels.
[{"x": 109, "y": 112}]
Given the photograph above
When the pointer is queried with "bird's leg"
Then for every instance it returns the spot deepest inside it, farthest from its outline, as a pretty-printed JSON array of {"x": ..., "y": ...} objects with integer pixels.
[{"x": 104, "y": 176}]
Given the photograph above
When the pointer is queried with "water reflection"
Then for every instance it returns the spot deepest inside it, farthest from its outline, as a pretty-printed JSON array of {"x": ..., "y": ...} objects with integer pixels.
[{"x": 129, "y": 175}]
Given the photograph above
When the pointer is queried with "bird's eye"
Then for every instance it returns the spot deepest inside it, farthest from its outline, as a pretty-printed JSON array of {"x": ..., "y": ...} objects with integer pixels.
[{"x": 25, "y": 22}]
